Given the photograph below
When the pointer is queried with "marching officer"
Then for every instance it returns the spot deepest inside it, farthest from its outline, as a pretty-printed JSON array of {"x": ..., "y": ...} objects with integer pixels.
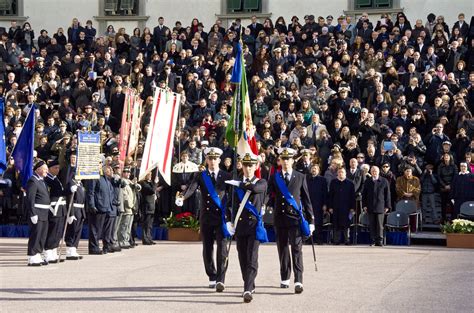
[
  {"x": 248, "y": 226},
  {"x": 58, "y": 212},
  {"x": 37, "y": 204},
  {"x": 213, "y": 216},
  {"x": 291, "y": 205},
  {"x": 77, "y": 215}
]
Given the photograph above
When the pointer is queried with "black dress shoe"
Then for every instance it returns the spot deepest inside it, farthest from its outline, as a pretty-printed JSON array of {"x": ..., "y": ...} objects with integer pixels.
[
  {"x": 248, "y": 297},
  {"x": 125, "y": 247},
  {"x": 73, "y": 258},
  {"x": 379, "y": 244},
  {"x": 284, "y": 286},
  {"x": 116, "y": 249},
  {"x": 298, "y": 288},
  {"x": 53, "y": 261},
  {"x": 220, "y": 287},
  {"x": 35, "y": 264},
  {"x": 146, "y": 243},
  {"x": 96, "y": 252},
  {"x": 153, "y": 243}
]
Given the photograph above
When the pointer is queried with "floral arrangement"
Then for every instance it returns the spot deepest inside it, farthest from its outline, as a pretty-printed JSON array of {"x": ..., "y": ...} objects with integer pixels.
[
  {"x": 181, "y": 220},
  {"x": 459, "y": 226}
]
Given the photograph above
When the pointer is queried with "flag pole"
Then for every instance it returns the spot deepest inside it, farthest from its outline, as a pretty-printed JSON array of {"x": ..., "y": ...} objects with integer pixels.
[{"x": 238, "y": 103}]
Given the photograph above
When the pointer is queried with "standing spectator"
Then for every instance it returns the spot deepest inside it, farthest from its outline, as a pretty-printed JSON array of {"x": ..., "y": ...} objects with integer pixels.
[
  {"x": 447, "y": 170},
  {"x": 341, "y": 202},
  {"x": 318, "y": 193},
  {"x": 27, "y": 35},
  {"x": 99, "y": 202},
  {"x": 376, "y": 202},
  {"x": 429, "y": 183},
  {"x": 147, "y": 208},
  {"x": 160, "y": 35},
  {"x": 462, "y": 188},
  {"x": 408, "y": 186},
  {"x": 73, "y": 31}
]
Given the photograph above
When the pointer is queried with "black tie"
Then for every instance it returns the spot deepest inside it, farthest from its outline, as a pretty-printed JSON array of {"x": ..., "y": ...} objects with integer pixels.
[
  {"x": 213, "y": 177},
  {"x": 287, "y": 178}
]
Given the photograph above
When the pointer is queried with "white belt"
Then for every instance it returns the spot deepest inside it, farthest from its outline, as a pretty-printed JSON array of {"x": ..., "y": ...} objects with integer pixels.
[
  {"x": 42, "y": 206},
  {"x": 62, "y": 202},
  {"x": 78, "y": 205}
]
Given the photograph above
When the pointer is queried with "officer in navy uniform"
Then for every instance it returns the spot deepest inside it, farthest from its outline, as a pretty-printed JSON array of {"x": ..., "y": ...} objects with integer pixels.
[
  {"x": 210, "y": 217},
  {"x": 287, "y": 219},
  {"x": 58, "y": 212},
  {"x": 246, "y": 225},
  {"x": 37, "y": 203},
  {"x": 304, "y": 163},
  {"x": 77, "y": 215}
]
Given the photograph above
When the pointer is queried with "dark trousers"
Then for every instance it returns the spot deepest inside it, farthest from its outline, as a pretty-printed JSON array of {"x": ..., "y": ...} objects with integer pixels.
[
  {"x": 73, "y": 233},
  {"x": 109, "y": 226},
  {"x": 286, "y": 236},
  {"x": 147, "y": 227},
  {"x": 376, "y": 227},
  {"x": 337, "y": 234},
  {"x": 247, "y": 247},
  {"x": 133, "y": 234},
  {"x": 96, "y": 229},
  {"x": 55, "y": 231},
  {"x": 37, "y": 240},
  {"x": 209, "y": 234}
]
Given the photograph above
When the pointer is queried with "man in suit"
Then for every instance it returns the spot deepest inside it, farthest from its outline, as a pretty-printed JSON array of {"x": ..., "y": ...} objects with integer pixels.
[
  {"x": 37, "y": 204},
  {"x": 174, "y": 40},
  {"x": 99, "y": 202},
  {"x": 58, "y": 211},
  {"x": 462, "y": 25},
  {"x": 341, "y": 202},
  {"x": 354, "y": 174},
  {"x": 287, "y": 218},
  {"x": 147, "y": 207},
  {"x": 159, "y": 35},
  {"x": 318, "y": 193},
  {"x": 249, "y": 223},
  {"x": 255, "y": 27},
  {"x": 213, "y": 220},
  {"x": 315, "y": 128},
  {"x": 110, "y": 120},
  {"x": 376, "y": 202}
]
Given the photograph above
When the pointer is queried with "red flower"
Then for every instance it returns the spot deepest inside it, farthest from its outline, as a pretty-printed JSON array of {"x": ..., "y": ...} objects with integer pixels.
[{"x": 183, "y": 215}]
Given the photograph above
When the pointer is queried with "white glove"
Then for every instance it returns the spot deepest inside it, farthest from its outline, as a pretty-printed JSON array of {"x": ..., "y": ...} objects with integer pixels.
[
  {"x": 71, "y": 219},
  {"x": 230, "y": 228},
  {"x": 179, "y": 201},
  {"x": 73, "y": 188},
  {"x": 34, "y": 219},
  {"x": 311, "y": 228},
  {"x": 233, "y": 182}
]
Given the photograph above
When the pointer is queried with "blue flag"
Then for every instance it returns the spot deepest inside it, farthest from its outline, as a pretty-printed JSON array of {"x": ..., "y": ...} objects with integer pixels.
[
  {"x": 3, "y": 145},
  {"x": 23, "y": 150},
  {"x": 236, "y": 77}
]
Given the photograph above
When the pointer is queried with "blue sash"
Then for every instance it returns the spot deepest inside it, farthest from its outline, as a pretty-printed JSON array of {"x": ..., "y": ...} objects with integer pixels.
[
  {"x": 220, "y": 204},
  {"x": 304, "y": 226},
  {"x": 261, "y": 232}
]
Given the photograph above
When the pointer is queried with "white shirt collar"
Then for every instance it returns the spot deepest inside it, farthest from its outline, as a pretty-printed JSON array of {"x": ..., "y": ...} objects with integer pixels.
[{"x": 289, "y": 172}]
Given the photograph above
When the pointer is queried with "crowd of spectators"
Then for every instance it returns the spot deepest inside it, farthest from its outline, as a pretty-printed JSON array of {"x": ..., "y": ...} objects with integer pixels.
[{"x": 397, "y": 93}]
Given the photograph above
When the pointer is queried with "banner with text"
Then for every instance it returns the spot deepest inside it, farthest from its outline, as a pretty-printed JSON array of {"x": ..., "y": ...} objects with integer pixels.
[{"x": 88, "y": 151}]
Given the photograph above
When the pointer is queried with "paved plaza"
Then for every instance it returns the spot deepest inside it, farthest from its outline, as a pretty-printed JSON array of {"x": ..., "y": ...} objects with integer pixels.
[{"x": 169, "y": 277}]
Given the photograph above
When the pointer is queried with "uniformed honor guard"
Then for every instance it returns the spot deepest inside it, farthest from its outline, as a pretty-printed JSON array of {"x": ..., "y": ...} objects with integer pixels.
[
  {"x": 37, "y": 204},
  {"x": 213, "y": 217},
  {"x": 183, "y": 174},
  {"x": 293, "y": 216},
  {"x": 57, "y": 214},
  {"x": 304, "y": 163},
  {"x": 248, "y": 225},
  {"x": 77, "y": 215}
]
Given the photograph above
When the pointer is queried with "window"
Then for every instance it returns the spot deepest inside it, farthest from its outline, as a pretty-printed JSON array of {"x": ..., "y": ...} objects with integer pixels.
[
  {"x": 8, "y": 7},
  {"x": 242, "y": 6},
  {"x": 373, "y": 4},
  {"x": 120, "y": 7}
]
